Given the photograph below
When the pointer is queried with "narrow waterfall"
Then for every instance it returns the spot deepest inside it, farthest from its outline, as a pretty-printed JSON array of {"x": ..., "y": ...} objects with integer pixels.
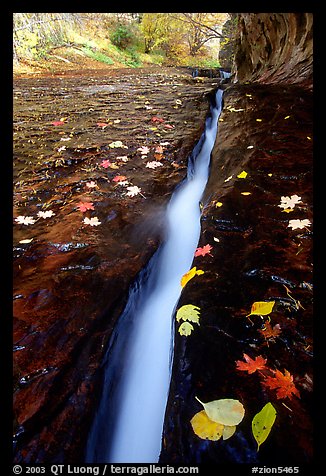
[{"x": 128, "y": 425}]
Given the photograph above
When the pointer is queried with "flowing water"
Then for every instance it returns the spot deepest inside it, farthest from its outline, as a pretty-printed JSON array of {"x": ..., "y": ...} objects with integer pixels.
[{"x": 129, "y": 421}]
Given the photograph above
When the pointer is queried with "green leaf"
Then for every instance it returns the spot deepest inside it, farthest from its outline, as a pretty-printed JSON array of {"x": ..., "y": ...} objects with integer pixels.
[
  {"x": 185, "y": 329},
  {"x": 189, "y": 312},
  {"x": 262, "y": 423}
]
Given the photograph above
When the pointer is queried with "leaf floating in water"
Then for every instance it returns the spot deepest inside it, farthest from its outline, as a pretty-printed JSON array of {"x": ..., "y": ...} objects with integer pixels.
[
  {"x": 251, "y": 365},
  {"x": 185, "y": 329},
  {"x": 283, "y": 384},
  {"x": 92, "y": 221},
  {"x": 261, "y": 308},
  {"x": 262, "y": 423},
  {"x": 206, "y": 428},
  {"x": 294, "y": 224},
  {"x": 188, "y": 312},
  {"x": 24, "y": 220},
  {"x": 189, "y": 275},
  {"x": 84, "y": 206},
  {"x": 227, "y": 411},
  {"x": 203, "y": 251}
]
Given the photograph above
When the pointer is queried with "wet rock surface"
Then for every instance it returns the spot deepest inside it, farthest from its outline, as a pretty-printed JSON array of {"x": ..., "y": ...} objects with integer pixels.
[
  {"x": 76, "y": 139},
  {"x": 71, "y": 281},
  {"x": 265, "y": 131}
]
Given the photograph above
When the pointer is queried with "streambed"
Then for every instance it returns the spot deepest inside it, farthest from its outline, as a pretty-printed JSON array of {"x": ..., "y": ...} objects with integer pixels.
[{"x": 72, "y": 279}]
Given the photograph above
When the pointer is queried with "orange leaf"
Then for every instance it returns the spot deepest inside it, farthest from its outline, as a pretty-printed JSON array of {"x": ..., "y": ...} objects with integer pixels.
[
  {"x": 204, "y": 250},
  {"x": 283, "y": 384},
  {"x": 251, "y": 365},
  {"x": 269, "y": 331}
]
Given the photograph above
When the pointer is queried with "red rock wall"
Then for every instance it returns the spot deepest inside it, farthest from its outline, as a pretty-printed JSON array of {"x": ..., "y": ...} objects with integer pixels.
[{"x": 275, "y": 48}]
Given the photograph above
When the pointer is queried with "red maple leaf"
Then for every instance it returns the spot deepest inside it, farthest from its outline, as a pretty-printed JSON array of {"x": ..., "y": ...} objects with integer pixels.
[
  {"x": 251, "y": 365},
  {"x": 102, "y": 124},
  {"x": 119, "y": 178},
  {"x": 157, "y": 119},
  {"x": 168, "y": 126},
  {"x": 105, "y": 163},
  {"x": 204, "y": 250},
  {"x": 270, "y": 332},
  {"x": 57, "y": 123},
  {"x": 282, "y": 383},
  {"x": 84, "y": 206}
]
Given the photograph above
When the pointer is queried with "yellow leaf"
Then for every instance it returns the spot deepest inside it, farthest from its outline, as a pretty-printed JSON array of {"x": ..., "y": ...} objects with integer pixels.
[
  {"x": 262, "y": 423},
  {"x": 228, "y": 431},
  {"x": 189, "y": 275},
  {"x": 288, "y": 210},
  {"x": 218, "y": 204},
  {"x": 206, "y": 428},
  {"x": 269, "y": 175},
  {"x": 262, "y": 308},
  {"x": 243, "y": 174},
  {"x": 185, "y": 329},
  {"x": 286, "y": 117},
  {"x": 188, "y": 313},
  {"x": 259, "y": 120},
  {"x": 309, "y": 138},
  {"x": 245, "y": 193},
  {"x": 227, "y": 411}
]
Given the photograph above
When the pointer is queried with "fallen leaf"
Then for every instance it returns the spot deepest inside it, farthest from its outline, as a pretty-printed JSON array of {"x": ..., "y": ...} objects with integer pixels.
[
  {"x": 133, "y": 190},
  {"x": 25, "y": 220},
  {"x": 102, "y": 124},
  {"x": 251, "y": 365},
  {"x": 218, "y": 204},
  {"x": 259, "y": 120},
  {"x": 245, "y": 193},
  {"x": 188, "y": 312},
  {"x": 84, "y": 206},
  {"x": 288, "y": 210},
  {"x": 157, "y": 119},
  {"x": 123, "y": 158},
  {"x": 47, "y": 214},
  {"x": 228, "y": 431},
  {"x": 159, "y": 149},
  {"x": 57, "y": 123},
  {"x": 91, "y": 184},
  {"x": 153, "y": 165},
  {"x": 228, "y": 179},
  {"x": 168, "y": 126},
  {"x": 92, "y": 221},
  {"x": 117, "y": 143},
  {"x": 269, "y": 332},
  {"x": 204, "y": 250},
  {"x": 189, "y": 275},
  {"x": 216, "y": 239},
  {"x": 250, "y": 147},
  {"x": 287, "y": 117},
  {"x": 105, "y": 163},
  {"x": 262, "y": 423},
  {"x": 114, "y": 166},
  {"x": 119, "y": 178},
  {"x": 294, "y": 224},
  {"x": 232, "y": 109},
  {"x": 282, "y": 383},
  {"x": 261, "y": 308},
  {"x": 206, "y": 428},
  {"x": 227, "y": 411},
  {"x": 144, "y": 150},
  {"x": 242, "y": 174},
  {"x": 185, "y": 329},
  {"x": 289, "y": 202}
]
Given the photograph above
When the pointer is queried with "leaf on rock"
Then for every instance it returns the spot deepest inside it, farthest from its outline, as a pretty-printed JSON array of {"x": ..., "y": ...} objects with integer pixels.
[
  {"x": 242, "y": 174},
  {"x": 105, "y": 163},
  {"x": 294, "y": 224},
  {"x": 133, "y": 190},
  {"x": 24, "y": 220},
  {"x": 47, "y": 214},
  {"x": 261, "y": 308},
  {"x": 203, "y": 251},
  {"x": 283, "y": 384},
  {"x": 168, "y": 126},
  {"x": 84, "y": 206},
  {"x": 153, "y": 164},
  {"x": 92, "y": 221},
  {"x": 144, "y": 150},
  {"x": 159, "y": 149},
  {"x": 245, "y": 193},
  {"x": 102, "y": 124},
  {"x": 185, "y": 329},
  {"x": 157, "y": 119},
  {"x": 188, "y": 312},
  {"x": 91, "y": 184},
  {"x": 205, "y": 428},
  {"x": 189, "y": 275},
  {"x": 289, "y": 202},
  {"x": 251, "y": 365},
  {"x": 119, "y": 178},
  {"x": 117, "y": 143},
  {"x": 57, "y": 123},
  {"x": 227, "y": 411},
  {"x": 262, "y": 423},
  {"x": 228, "y": 431},
  {"x": 269, "y": 332}
]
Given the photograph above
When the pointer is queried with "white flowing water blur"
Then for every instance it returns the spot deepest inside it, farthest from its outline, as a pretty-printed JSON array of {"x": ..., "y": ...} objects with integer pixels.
[{"x": 129, "y": 422}]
